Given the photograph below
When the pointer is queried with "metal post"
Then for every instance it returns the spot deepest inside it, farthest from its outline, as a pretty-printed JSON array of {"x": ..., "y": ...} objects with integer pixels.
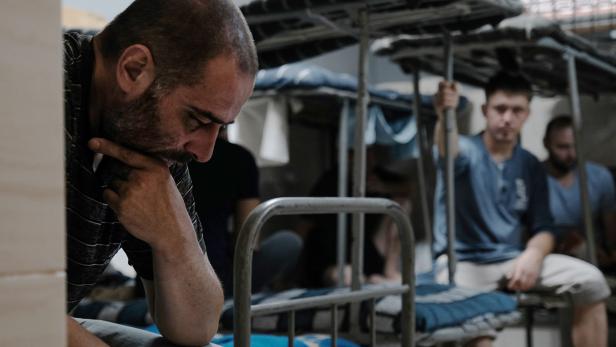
[
  {"x": 343, "y": 166},
  {"x": 576, "y": 111},
  {"x": 530, "y": 318},
  {"x": 421, "y": 171},
  {"x": 373, "y": 323},
  {"x": 359, "y": 166},
  {"x": 291, "y": 329},
  {"x": 246, "y": 241},
  {"x": 334, "y": 331},
  {"x": 450, "y": 127}
]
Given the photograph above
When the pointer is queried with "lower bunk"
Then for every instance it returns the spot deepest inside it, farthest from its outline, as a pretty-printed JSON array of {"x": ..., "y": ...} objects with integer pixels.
[{"x": 442, "y": 314}]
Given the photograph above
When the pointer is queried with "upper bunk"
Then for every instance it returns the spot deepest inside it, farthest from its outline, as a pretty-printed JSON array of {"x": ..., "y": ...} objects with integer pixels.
[
  {"x": 534, "y": 47},
  {"x": 322, "y": 92},
  {"x": 289, "y": 31},
  {"x": 311, "y": 96},
  {"x": 307, "y": 81}
]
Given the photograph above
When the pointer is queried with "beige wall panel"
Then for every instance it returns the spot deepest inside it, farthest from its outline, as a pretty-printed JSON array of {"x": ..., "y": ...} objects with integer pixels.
[
  {"x": 27, "y": 247},
  {"x": 30, "y": 310},
  {"x": 31, "y": 137}
]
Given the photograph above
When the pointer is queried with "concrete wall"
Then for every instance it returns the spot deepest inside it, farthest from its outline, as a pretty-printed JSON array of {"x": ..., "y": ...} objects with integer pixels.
[{"x": 31, "y": 176}]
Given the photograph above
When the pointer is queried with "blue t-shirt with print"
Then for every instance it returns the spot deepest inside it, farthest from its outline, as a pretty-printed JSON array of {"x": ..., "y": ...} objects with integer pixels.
[
  {"x": 495, "y": 203},
  {"x": 565, "y": 201}
]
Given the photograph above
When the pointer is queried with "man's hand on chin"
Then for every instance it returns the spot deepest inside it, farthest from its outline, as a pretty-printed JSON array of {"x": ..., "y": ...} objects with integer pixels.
[{"x": 146, "y": 201}]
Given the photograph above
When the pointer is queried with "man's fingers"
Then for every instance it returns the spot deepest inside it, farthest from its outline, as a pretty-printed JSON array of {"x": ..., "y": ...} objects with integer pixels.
[
  {"x": 117, "y": 186},
  {"x": 112, "y": 198},
  {"x": 521, "y": 281},
  {"x": 515, "y": 278},
  {"x": 125, "y": 155}
]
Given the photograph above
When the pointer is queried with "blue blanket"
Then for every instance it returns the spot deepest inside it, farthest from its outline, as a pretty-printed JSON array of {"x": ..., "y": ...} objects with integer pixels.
[{"x": 437, "y": 307}]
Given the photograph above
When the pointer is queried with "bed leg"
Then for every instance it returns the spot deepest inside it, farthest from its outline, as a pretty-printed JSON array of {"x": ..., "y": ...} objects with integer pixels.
[
  {"x": 373, "y": 323},
  {"x": 529, "y": 326},
  {"x": 334, "y": 332},
  {"x": 291, "y": 327}
]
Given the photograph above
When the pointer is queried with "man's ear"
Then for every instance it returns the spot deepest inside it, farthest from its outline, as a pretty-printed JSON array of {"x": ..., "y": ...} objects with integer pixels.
[
  {"x": 135, "y": 71},
  {"x": 484, "y": 109}
]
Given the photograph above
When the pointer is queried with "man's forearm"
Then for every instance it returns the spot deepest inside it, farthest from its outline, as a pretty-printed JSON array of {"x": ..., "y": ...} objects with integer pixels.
[
  {"x": 187, "y": 295},
  {"x": 78, "y": 336},
  {"x": 542, "y": 242},
  {"x": 440, "y": 136}
]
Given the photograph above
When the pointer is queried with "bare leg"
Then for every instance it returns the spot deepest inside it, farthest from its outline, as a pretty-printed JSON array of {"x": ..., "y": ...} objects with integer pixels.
[
  {"x": 590, "y": 326},
  {"x": 482, "y": 341}
]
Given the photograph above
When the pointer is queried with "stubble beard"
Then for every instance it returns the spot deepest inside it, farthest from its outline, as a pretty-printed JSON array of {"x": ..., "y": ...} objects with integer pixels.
[
  {"x": 561, "y": 166},
  {"x": 137, "y": 125}
]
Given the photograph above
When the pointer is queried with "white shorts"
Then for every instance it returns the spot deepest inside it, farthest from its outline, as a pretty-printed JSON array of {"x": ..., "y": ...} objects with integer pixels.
[{"x": 560, "y": 274}]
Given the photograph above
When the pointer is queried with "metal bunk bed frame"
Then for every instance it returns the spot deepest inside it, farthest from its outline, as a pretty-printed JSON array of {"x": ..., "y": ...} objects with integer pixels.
[
  {"x": 570, "y": 54},
  {"x": 347, "y": 96},
  {"x": 242, "y": 267},
  {"x": 247, "y": 238}
]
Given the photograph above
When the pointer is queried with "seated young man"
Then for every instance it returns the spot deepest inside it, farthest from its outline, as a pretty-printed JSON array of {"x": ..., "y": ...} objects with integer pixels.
[
  {"x": 565, "y": 202},
  {"x": 501, "y": 190}
]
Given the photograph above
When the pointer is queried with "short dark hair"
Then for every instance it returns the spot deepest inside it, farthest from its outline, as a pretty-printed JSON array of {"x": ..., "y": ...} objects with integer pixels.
[
  {"x": 509, "y": 82},
  {"x": 182, "y": 36},
  {"x": 559, "y": 122}
]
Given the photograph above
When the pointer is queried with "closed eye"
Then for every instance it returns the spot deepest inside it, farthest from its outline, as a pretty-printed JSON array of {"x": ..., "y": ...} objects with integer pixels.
[{"x": 194, "y": 122}]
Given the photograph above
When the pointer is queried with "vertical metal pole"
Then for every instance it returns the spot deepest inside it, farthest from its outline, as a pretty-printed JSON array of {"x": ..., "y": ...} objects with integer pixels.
[
  {"x": 421, "y": 171},
  {"x": 530, "y": 319},
  {"x": 373, "y": 323},
  {"x": 450, "y": 126},
  {"x": 359, "y": 166},
  {"x": 291, "y": 327},
  {"x": 576, "y": 111},
  {"x": 334, "y": 332},
  {"x": 343, "y": 166}
]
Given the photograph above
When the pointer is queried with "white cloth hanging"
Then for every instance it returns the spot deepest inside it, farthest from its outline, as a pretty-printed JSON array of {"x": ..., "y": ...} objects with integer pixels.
[{"x": 262, "y": 127}]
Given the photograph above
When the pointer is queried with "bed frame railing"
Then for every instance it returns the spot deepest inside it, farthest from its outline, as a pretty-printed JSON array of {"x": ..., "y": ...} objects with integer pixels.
[{"x": 242, "y": 267}]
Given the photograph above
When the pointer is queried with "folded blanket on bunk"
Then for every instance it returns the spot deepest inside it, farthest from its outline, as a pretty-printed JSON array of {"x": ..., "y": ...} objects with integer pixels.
[{"x": 438, "y": 308}]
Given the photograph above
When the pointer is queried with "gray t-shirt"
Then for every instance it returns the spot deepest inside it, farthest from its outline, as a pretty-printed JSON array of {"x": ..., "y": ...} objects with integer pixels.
[
  {"x": 565, "y": 202},
  {"x": 495, "y": 203}
]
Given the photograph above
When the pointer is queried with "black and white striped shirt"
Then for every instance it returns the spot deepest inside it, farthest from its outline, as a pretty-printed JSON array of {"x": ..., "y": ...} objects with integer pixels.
[{"x": 93, "y": 234}]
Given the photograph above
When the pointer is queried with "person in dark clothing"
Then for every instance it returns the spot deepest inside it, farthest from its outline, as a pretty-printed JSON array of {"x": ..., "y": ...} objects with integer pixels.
[
  {"x": 226, "y": 190},
  {"x": 382, "y": 246},
  {"x": 142, "y": 97}
]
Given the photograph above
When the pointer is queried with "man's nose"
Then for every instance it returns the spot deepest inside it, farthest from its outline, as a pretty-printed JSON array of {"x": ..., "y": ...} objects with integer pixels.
[
  {"x": 507, "y": 116},
  {"x": 201, "y": 143}
]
